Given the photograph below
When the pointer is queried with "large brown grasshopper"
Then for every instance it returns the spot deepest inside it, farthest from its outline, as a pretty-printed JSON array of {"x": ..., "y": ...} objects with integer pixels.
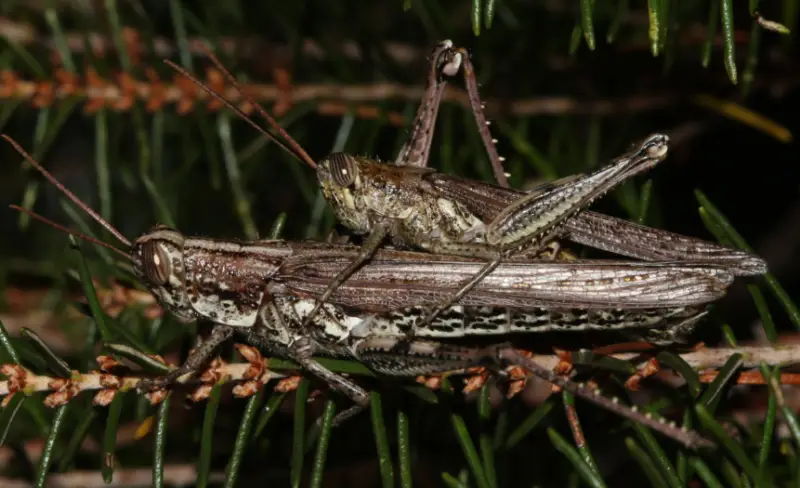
[
  {"x": 263, "y": 291},
  {"x": 416, "y": 207}
]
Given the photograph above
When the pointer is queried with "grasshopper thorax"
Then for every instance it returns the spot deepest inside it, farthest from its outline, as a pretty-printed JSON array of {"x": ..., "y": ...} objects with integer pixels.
[{"x": 158, "y": 263}]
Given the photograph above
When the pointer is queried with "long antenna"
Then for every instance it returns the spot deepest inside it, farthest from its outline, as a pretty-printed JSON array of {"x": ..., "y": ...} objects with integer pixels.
[
  {"x": 63, "y": 189},
  {"x": 231, "y": 106},
  {"x": 270, "y": 120},
  {"x": 69, "y": 231},
  {"x": 291, "y": 146}
]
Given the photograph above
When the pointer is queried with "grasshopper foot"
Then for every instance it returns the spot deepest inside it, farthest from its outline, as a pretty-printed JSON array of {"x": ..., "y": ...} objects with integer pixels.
[
  {"x": 198, "y": 356},
  {"x": 345, "y": 415}
]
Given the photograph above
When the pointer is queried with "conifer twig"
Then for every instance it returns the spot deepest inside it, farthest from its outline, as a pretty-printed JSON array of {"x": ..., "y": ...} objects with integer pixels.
[
  {"x": 121, "y": 93},
  {"x": 253, "y": 374}
]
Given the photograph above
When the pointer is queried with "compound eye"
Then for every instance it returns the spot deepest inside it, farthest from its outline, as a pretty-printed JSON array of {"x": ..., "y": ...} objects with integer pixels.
[
  {"x": 156, "y": 263},
  {"x": 344, "y": 170}
]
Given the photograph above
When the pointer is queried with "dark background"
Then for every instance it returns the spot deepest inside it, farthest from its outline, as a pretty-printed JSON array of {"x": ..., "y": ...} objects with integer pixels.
[{"x": 619, "y": 93}]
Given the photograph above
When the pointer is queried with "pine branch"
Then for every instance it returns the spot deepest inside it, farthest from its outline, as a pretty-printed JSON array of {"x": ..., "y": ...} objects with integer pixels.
[{"x": 333, "y": 99}]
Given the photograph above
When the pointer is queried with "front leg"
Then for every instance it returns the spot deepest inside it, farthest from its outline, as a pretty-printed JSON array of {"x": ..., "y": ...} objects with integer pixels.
[{"x": 198, "y": 357}]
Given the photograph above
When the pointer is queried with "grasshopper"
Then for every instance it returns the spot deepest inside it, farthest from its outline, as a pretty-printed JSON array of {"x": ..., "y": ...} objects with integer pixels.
[
  {"x": 416, "y": 207},
  {"x": 263, "y": 291}
]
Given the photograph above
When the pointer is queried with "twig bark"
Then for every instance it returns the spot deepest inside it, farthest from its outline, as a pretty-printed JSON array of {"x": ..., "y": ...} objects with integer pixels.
[
  {"x": 255, "y": 373},
  {"x": 122, "y": 93}
]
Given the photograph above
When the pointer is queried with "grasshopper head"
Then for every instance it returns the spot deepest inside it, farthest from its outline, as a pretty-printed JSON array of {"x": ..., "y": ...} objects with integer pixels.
[
  {"x": 340, "y": 179},
  {"x": 158, "y": 263}
]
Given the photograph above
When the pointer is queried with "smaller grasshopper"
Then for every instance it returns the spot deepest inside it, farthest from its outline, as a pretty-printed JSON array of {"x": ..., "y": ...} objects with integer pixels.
[
  {"x": 419, "y": 208},
  {"x": 383, "y": 200},
  {"x": 253, "y": 290}
]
